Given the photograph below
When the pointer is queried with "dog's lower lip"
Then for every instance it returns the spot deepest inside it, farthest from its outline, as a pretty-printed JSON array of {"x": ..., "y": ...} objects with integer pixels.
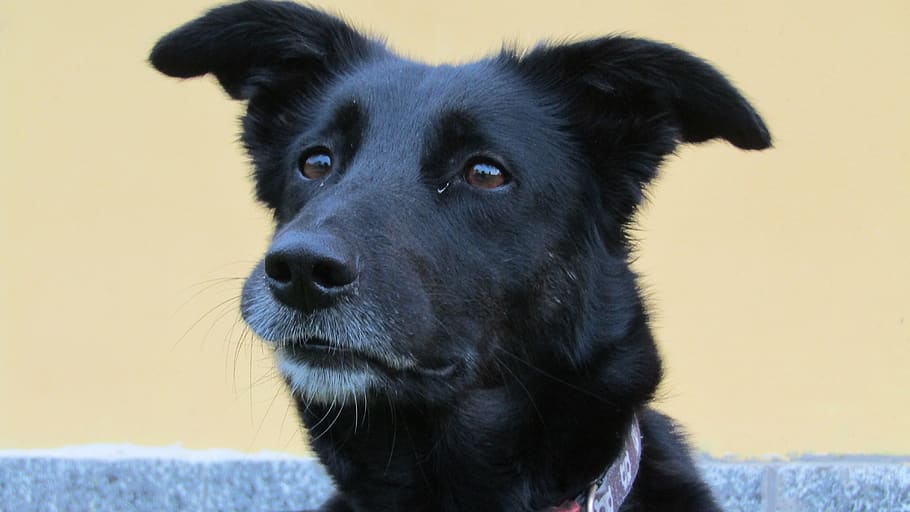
[
  {"x": 441, "y": 372},
  {"x": 314, "y": 347},
  {"x": 315, "y": 343},
  {"x": 326, "y": 354}
]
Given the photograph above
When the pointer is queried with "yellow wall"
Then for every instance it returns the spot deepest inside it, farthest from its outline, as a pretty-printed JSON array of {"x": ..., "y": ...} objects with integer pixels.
[{"x": 780, "y": 279}]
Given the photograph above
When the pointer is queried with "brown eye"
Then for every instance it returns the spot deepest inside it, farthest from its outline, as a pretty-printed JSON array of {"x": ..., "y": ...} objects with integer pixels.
[
  {"x": 485, "y": 175},
  {"x": 315, "y": 165}
]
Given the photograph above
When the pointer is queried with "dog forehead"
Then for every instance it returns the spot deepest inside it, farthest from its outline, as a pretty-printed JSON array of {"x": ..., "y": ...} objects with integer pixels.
[{"x": 412, "y": 95}]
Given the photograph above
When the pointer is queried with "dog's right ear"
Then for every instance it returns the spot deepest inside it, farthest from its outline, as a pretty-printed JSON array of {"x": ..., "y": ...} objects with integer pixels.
[{"x": 259, "y": 45}]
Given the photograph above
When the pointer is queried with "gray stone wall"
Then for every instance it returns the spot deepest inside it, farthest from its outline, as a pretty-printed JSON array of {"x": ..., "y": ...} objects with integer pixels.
[
  {"x": 146, "y": 479},
  {"x": 810, "y": 484}
]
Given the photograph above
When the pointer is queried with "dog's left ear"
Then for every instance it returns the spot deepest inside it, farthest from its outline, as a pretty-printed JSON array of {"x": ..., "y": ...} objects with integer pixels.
[{"x": 651, "y": 78}]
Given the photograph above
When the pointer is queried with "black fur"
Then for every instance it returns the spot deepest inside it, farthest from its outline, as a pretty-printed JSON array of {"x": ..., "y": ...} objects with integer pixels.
[{"x": 453, "y": 348}]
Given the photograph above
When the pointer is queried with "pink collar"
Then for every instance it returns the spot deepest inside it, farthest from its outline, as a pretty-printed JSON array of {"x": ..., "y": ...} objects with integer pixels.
[{"x": 611, "y": 488}]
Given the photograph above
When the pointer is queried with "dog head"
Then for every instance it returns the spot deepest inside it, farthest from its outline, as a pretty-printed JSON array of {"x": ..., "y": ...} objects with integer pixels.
[{"x": 434, "y": 221}]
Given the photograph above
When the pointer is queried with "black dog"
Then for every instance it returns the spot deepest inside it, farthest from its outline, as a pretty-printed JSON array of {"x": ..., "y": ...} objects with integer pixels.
[{"x": 448, "y": 290}]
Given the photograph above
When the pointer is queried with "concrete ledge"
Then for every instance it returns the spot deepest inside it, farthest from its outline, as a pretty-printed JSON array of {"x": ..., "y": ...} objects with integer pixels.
[
  {"x": 811, "y": 484},
  {"x": 118, "y": 478}
]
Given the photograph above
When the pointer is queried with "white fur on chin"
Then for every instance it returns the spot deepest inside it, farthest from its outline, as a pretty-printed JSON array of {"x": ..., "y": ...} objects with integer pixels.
[{"x": 325, "y": 385}]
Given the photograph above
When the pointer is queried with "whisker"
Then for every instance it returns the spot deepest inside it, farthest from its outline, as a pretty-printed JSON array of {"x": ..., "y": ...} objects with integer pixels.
[
  {"x": 207, "y": 285},
  {"x": 264, "y": 417},
  {"x": 356, "y": 411},
  {"x": 240, "y": 342},
  {"x": 527, "y": 392},
  {"x": 326, "y": 415},
  {"x": 394, "y": 433},
  {"x": 365, "y": 409},
  {"x": 284, "y": 419},
  {"x": 217, "y": 319},
  {"x": 295, "y": 434},
  {"x": 553, "y": 377},
  {"x": 417, "y": 459},
  {"x": 207, "y": 313},
  {"x": 332, "y": 424},
  {"x": 252, "y": 422}
]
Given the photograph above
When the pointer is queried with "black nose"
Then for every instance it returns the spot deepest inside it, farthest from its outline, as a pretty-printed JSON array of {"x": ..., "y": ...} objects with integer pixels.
[{"x": 309, "y": 271}]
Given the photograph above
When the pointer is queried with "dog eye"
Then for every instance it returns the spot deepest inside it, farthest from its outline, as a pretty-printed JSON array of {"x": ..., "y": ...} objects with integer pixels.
[
  {"x": 485, "y": 175},
  {"x": 315, "y": 164}
]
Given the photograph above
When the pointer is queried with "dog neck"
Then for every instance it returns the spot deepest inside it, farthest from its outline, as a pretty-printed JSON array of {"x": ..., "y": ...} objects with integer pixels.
[{"x": 480, "y": 457}]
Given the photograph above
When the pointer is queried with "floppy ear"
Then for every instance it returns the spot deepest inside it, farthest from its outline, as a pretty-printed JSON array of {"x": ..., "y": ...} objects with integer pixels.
[
  {"x": 695, "y": 98},
  {"x": 631, "y": 101},
  {"x": 260, "y": 45}
]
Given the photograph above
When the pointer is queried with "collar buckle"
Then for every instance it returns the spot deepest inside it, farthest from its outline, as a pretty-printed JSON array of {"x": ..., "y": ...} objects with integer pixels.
[{"x": 589, "y": 499}]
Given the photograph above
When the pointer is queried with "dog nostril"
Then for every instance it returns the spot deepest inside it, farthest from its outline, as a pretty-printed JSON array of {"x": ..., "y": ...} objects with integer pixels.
[
  {"x": 278, "y": 270},
  {"x": 308, "y": 271},
  {"x": 332, "y": 275}
]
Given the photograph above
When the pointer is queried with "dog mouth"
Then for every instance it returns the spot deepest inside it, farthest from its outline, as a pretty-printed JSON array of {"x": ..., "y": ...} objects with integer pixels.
[
  {"x": 319, "y": 353},
  {"x": 322, "y": 353},
  {"x": 342, "y": 352},
  {"x": 325, "y": 372}
]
